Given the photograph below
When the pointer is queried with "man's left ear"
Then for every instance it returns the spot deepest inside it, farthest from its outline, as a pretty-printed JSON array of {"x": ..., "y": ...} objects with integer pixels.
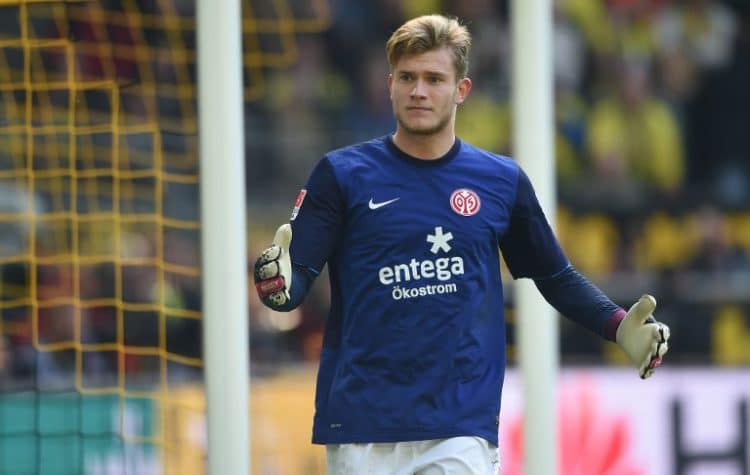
[{"x": 464, "y": 86}]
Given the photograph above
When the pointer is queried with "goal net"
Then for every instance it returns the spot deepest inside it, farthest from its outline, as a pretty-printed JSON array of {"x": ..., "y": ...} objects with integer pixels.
[{"x": 100, "y": 289}]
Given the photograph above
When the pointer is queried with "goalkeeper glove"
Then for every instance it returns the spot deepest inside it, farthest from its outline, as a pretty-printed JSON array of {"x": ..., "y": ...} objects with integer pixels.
[
  {"x": 642, "y": 338},
  {"x": 273, "y": 270}
]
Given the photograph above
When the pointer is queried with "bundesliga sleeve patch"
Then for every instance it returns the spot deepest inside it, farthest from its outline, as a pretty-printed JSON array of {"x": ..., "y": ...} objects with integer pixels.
[{"x": 298, "y": 204}]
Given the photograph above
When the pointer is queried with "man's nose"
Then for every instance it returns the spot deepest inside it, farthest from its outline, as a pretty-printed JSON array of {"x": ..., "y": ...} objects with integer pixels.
[{"x": 418, "y": 90}]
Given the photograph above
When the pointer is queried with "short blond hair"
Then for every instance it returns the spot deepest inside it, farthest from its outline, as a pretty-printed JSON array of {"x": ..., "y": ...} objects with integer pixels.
[{"x": 427, "y": 33}]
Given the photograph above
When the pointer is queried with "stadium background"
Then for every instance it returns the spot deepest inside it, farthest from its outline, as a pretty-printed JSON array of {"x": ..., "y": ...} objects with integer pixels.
[{"x": 100, "y": 339}]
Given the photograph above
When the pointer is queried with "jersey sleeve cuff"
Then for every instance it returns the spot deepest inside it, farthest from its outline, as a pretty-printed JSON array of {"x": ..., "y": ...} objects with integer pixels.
[{"x": 610, "y": 327}]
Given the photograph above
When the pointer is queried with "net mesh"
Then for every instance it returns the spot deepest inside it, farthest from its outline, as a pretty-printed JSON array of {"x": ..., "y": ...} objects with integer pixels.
[{"x": 99, "y": 227}]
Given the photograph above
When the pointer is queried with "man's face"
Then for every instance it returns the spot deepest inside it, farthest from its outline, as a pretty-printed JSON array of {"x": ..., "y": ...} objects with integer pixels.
[{"x": 425, "y": 93}]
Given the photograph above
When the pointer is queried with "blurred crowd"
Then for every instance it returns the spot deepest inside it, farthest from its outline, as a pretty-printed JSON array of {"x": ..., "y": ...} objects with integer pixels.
[
  {"x": 652, "y": 107},
  {"x": 649, "y": 96},
  {"x": 653, "y": 157}
]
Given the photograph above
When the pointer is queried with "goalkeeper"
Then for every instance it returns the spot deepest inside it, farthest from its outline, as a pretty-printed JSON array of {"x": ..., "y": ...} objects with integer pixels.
[{"x": 411, "y": 225}]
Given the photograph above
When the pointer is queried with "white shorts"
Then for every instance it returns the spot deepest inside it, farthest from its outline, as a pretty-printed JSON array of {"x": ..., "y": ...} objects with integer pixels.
[{"x": 454, "y": 456}]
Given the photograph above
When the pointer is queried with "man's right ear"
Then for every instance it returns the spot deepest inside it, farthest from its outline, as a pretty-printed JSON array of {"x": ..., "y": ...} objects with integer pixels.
[{"x": 464, "y": 87}]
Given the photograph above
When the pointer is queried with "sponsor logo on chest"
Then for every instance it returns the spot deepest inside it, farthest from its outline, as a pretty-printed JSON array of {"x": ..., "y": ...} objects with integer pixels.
[{"x": 407, "y": 278}]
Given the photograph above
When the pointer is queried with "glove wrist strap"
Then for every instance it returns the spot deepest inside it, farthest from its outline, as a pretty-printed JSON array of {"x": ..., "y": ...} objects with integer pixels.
[{"x": 269, "y": 286}]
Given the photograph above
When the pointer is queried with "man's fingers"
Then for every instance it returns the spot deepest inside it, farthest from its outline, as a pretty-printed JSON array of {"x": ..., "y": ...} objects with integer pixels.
[
  {"x": 267, "y": 271},
  {"x": 664, "y": 332},
  {"x": 283, "y": 236},
  {"x": 659, "y": 347},
  {"x": 268, "y": 264},
  {"x": 273, "y": 273},
  {"x": 643, "y": 339},
  {"x": 642, "y": 309},
  {"x": 277, "y": 299},
  {"x": 663, "y": 346},
  {"x": 648, "y": 369},
  {"x": 270, "y": 254}
]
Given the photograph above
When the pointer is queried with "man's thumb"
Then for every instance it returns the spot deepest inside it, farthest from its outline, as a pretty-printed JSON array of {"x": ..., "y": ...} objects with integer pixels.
[
  {"x": 283, "y": 236},
  {"x": 642, "y": 309}
]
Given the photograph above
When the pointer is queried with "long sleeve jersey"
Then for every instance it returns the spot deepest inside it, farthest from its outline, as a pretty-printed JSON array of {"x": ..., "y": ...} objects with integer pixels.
[{"x": 414, "y": 344}]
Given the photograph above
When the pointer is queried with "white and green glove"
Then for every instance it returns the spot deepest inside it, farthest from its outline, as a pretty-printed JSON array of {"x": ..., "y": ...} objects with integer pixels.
[
  {"x": 643, "y": 339},
  {"x": 273, "y": 270}
]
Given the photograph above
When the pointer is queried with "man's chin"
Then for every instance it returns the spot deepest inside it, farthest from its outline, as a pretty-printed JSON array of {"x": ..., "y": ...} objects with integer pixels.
[{"x": 423, "y": 130}]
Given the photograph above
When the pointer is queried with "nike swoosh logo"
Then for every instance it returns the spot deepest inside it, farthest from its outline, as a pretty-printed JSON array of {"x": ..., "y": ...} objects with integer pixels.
[{"x": 373, "y": 205}]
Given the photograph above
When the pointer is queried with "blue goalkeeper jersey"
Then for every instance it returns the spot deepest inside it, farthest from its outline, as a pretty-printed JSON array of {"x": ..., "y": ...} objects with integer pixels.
[{"x": 414, "y": 344}]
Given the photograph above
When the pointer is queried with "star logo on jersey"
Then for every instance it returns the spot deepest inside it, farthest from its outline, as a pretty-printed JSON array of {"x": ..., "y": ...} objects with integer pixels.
[{"x": 439, "y": 240}]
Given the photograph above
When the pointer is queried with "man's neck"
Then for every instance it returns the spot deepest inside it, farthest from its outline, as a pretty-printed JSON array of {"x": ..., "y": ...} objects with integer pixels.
[{"x": 424, "y": 147}]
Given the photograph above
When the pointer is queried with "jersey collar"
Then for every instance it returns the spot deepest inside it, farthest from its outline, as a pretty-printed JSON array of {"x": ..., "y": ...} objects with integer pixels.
[{"x": 450, "y": 155}]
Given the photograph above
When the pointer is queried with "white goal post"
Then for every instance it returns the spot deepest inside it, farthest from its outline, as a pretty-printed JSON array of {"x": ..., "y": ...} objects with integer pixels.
[
  {"x": 223, "y": 235},
  {"x": 537, "y": 323}
]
